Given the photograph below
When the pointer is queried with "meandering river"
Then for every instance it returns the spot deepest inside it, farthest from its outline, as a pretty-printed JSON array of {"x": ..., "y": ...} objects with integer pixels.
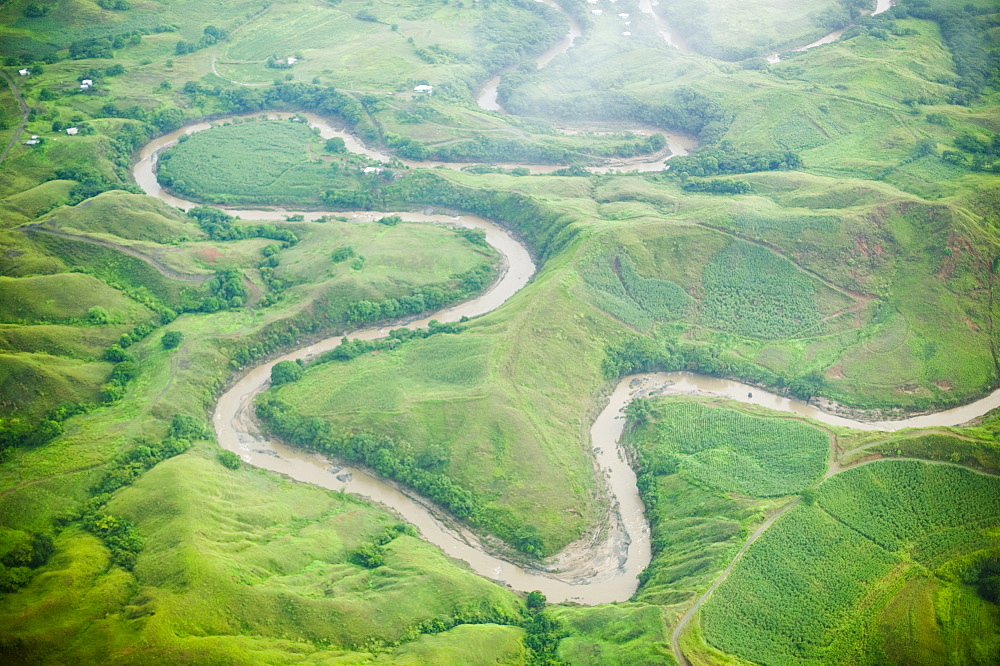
[{"x": 601, "y": 568}]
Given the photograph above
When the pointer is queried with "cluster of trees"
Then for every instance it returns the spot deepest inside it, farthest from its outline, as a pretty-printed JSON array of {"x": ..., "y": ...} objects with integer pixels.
[
  {"x": 225, "y": 290},
  {"x": 349, "y": 349},
  {"x": 544, "y": 230},
  {"x": 717, "y": 186},
  {"x": 390, "y": 458},
  {"x": 114, "y": 5},
  {"x": 23, "y": 552},
  {"x": 24, "y": 431},
  {"x": 91, "y": 182},
  {"x": 371, "y": 554},
  {"x": 430, "y": 297},
  {"x": 129, "y": 466},
  {"x": 843, "y": 15},
  {"x": 636, "y": 353},
  {"x": 966, "y": 30},
  {"x": 36, "y": 10},
  {"x": 229, "y": 460},
  {"x": 119, "y": 534},
  {"x": 209, "y": 36},
  {"x": 165, "y": 119},
  {"x": 689, "y": 111},
  {"x": 512, "y": 32},
  {"x": 266, "y": 268},
  {"x": 395, "y": 460},
  {"x": 171, "y": 339},
  {"x": 726, "y": 159},
  {"x": 327, "y": 100},
  {"x": 542, "y": 632},
  {"x": 975, "y": 153},
  {"x": 122, "y": 374},
  {"x": 104, "y": 47},
  {"x": 220, "y": 226},
  {"x": 984, "y": 574},
  {"x": 284, "y": 372}
]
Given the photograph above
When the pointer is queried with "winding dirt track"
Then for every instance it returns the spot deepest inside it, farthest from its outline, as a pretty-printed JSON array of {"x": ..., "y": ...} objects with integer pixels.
[
  {"x": 158, "y": 265},
  {"x": 24, "y": 115}
]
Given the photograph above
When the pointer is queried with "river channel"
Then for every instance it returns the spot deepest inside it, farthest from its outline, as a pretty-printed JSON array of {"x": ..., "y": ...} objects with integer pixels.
[{"x": 601, "y": 568}]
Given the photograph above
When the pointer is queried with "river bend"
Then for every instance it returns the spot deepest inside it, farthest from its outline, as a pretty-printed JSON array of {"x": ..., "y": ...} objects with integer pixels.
[{"x": 601, "y": 568}]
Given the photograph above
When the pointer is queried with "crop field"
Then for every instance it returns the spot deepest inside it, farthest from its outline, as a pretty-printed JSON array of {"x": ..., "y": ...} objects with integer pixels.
[
  {"x": 938, "y": 498},
  {"x": 267, "y": 162},
  {"x": 764, "y": 613},
  {"x": 734, "y": 452},
  {"x": 854, "y": 545},
  {"x": 751, "y": 291},
  {"x": 634, "y": 299}
]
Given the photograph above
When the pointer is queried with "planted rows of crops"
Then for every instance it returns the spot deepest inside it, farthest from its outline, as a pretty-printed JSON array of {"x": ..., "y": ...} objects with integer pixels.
[
  {"x": 869, "y": 499},
  {"x": 807, "y": 591},
  {"x": 731, "y": 451},
  {"x": 260, "y": 162},
  {"x": 795, "y": 591},
  {"x": 754, "y": 292},
  {"x": 635, "y": 299}
]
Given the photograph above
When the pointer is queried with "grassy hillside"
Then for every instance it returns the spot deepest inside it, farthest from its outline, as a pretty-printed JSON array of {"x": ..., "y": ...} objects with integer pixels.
[
  {"x": 127, "y": 216},
  {"x": 833, "y": 238}
]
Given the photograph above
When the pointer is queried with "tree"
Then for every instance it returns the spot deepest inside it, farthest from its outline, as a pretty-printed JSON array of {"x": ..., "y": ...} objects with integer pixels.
[
  {"x": 369, "y": 556},
  {"x": 35, "y": 10},
  {"x": 336, "y": 145},
  {"x": 97, "y": 315},
  {"x": 284, "y": 372},
  {"x": 535, "y": 601},
  {"x": 229, "y": 459},
  {"x": 171, "y": 339}
]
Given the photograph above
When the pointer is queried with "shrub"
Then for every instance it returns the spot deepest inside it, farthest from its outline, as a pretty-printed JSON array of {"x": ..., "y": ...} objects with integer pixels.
[
  {"x": 229, "y": 459},
  {"x": 284, "y": 372},
  {"x": 171, "y": 339}
]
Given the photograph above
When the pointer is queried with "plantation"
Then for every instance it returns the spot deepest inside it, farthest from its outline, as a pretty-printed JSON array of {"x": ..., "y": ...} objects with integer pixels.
[
  {"x": 732, "y": 452},
  {"x": 753, "y": 292},
  {"x": 764, "y": 612},
  {"x": 256, "y": 162},
  {"x": 855, "y": 545}
]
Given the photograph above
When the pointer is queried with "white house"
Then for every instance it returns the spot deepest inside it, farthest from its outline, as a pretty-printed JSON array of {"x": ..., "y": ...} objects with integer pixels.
[
  {"x": 32, "y": 142},
  {"x": 24, "y": 72},
  {"x": 84, "y": 86},
  {"x": 424, "y": 88},
  {"x": 291, "y": 61},
  {"x": 372, "y": 170},
  {"x": 72, "y": 130},
  {"x": 596, "y": 12},
  {"x": 623, "y": 15},
  {"x": 627, "y": 34},
  {"x": 87, "y": 82}
]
